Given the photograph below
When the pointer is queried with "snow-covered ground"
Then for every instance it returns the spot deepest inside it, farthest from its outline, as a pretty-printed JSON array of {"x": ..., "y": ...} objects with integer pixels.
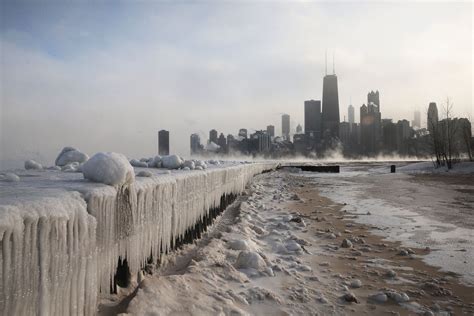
[
  {"x": 62, "y": 235},
  {"x": 433, "y": 212},
  {"x": 264, "y": 257},
  {"x": 256, "y": 263}
]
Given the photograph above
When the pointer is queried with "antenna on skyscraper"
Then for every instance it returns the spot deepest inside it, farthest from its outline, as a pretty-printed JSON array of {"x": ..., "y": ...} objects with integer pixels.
[{"x": 326, "y": 61}]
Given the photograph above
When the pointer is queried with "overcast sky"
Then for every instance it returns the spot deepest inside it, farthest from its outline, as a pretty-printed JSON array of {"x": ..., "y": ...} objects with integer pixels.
[{"x": 107, "y": 77}]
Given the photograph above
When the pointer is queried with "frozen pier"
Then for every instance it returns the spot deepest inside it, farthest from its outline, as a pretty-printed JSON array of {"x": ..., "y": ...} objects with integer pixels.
[{"x": 62, "y": 237}]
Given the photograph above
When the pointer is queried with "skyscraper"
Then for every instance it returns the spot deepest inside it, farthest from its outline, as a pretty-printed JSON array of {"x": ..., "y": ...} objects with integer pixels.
[
  {"x": 213, "y": 136},
  {"x": 163, "y": 143},
  {"x": 432, "y": 119},
  {"x": 416, "y": 120},
  {"x": 374, "y": 97},
  {"x": 243, "y": 132},
  {"x": 195, "y": 143},
  {"x": 312, "y": 117},
  {"x": 350, "y": 112},
  {"x": 285, "y": 126},
  {"x": 330, "y": 112},
  {"x": 271, "y": 130}
]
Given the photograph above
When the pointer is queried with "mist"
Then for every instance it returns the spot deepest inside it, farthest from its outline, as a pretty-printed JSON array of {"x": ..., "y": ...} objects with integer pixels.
[{"x": 108, "y": 77}]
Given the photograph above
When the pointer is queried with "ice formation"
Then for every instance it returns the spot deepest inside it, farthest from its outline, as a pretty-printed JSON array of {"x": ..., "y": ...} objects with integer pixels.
[
  {"x": 69, "y": 155},
  {"x": 32, "y": 165},
  {"x": 109, "y": 168},
  {"x": 171, "y": 162},
  {"x": 60, "y": 248}
]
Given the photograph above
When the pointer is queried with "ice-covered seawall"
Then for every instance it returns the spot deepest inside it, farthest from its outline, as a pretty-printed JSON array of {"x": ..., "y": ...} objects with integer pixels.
[{"x": 61, "y": 236}]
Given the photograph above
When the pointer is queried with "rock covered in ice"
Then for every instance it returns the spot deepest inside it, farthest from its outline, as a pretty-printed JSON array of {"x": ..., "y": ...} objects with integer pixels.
[
  {"x": 378, "y": 297},
  {"x": 155, "y": 162},
  {"x": 138, "y": 163},
  {"x": 32, "y": 165},
  {"x": 356, "y": 283},
  {"x": 69, "y": 155},
  {"x": 145, "y": 173},
  {"x": 238, "y": 244},
  {"x": 171, "y": 162},
  {"x": 201, "y": 164},
  {"x": 109, "y": 168},
  {"x": 250, "y": 259},
  {"x": 189, "y": 164},
  {"x": 397, "y": 297},
  {"x": 72, "y": 167},
  {"x": 346, "y": 243},
  {"x": 10, "y": 177}
]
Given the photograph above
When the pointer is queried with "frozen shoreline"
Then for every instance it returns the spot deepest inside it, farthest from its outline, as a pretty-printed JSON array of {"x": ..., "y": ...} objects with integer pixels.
[
  {"x": 292, "y": 239},
  {"x": 418, "y": 213}
]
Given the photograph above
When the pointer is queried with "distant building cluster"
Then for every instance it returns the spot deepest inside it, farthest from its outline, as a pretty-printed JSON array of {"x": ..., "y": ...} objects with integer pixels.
[{"x": 323, "y": 131}]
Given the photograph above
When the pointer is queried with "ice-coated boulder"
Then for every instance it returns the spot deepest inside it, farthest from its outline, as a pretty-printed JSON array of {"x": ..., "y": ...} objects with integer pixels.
[
  {"x": 250, "y": 259},
  {"x": 138, "y": 163},
  {"x": 71, "y": 167},
  {"x": 190, "y": 164},
  {"x": 238, "y": 244},
  {"x": 154, "y": 162},
  {"x": 69, "y": 155},
  {"x": 200, "y": 163},
  {"x": 145, "y": 173},
  {"x": 171, "y": 162},
  {"x": 109, "y": 168},
  {"x": 10, "y": 177},
  {"x": 32, "y": 165}
]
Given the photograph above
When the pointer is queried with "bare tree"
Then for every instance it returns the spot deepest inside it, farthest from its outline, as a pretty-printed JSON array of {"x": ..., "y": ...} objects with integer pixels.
[{"x": 448, "y": 133}]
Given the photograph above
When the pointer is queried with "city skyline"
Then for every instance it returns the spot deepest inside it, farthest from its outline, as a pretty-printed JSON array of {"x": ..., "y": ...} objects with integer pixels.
[{"x": 165, "y": 67}]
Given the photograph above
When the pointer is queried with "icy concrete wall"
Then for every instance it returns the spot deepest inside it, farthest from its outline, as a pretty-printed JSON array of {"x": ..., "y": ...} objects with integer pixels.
[
  {"x": 156, "y": 212},
  {"x": 47, "y": 257},
  {"x": 59, "y": 251}
]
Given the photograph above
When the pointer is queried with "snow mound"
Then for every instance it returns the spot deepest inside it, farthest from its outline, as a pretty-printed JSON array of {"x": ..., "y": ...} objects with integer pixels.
[
  {"x": 250, "y": 260},
  {"x": 171, "y": 162},
  {"x": 69, "y": 155},
  {"x": 109, "y": 168},
  {"x": 32, "y": 165}
]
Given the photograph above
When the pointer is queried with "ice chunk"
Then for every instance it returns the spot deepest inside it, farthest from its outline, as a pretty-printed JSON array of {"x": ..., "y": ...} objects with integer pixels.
[
  {"x": 171, "y": 162},
  {"x": 109, "y": 168},
  {"x": 69, "y": 155},
  {"x": 32, "y": 165},
  {"x": 138, "y": 163}
]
